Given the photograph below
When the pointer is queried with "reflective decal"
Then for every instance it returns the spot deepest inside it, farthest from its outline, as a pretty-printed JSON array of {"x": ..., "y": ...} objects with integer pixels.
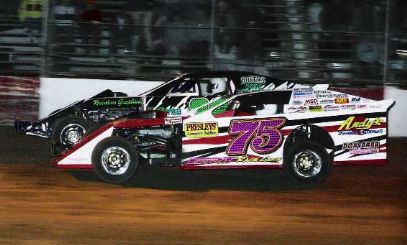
[
  {"x": 263, "y": 136},
  {"x": 238, "y": 159},
  {"x": 201, "y": 102},
  {"x": 198, "y": 102}
]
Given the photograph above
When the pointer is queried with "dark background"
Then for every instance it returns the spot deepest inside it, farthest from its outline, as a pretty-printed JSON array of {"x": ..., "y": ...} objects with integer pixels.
[{"x": 359, "y": 42}]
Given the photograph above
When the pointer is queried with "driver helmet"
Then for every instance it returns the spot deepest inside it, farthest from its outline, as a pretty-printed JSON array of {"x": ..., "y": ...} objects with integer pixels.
[
  {"x": 216, "y": 86},
  {"x": 234, "y": 105}
]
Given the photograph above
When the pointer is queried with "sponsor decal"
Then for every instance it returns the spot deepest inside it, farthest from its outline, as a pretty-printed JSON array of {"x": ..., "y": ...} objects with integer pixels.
[
  {"x": 375, "y": 106},
  {"x": 297, "y": 102},
  {"x": 263, "y": 136},
  {"x": 321, "y": 92},
  {"x": 362, "y": 132},
  {"x": 326, "y": 101},
  {"x": 364, "y": 151},
  {"x": 173, "y": 111},
  {"x": 211, "y": 160},
  {"x": 117, "y": 102},
  {"x": 362, "y": 148},
  {"x": 311, "y": 102},
  {"x": 258, "y": 159},
  {"x": 331, "y": 108},
  {"x": 348, "y": 107},
  {"x": 251, "y": 87},
  {"x": 324, "y": 96},
  {"x": 172, "y": 120},
  {"x": 252, "y": 84},
  {"x": 198, "y": 129},
  {"x": 355, "y": 100},
  {"x": 361, "y": 106},
  {"x": 300, "y": 109},
  {"x": 315, "y": 108},
  {"x": 303, "y": 92},
  {"x": 239, "y": 159},
  {"x": 358, "y": 123},
  {"x": 253, "y": 79},
  {"x": 361, "y": 145},
  {"x": 339, "y": 95},
  {"x": 341, "y": 100}
]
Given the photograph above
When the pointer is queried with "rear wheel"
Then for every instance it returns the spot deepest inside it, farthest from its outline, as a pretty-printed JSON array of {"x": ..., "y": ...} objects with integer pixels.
[
  {"x": 115, "y": 160},
  {"x": 307, "y": 162}
]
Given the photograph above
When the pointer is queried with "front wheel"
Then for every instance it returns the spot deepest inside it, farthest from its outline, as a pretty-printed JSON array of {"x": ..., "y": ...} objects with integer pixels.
[
  {"x": 307, "y": 162},
  {"x": 115, "y": 160},
  {"x": 70, "y": 130}
]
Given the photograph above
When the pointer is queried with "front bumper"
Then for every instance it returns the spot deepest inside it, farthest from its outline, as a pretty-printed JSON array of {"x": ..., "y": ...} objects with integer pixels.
[{"x": 32, "y": 128}]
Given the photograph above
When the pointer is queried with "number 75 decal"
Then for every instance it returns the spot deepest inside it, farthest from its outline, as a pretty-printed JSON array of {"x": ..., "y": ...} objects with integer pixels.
[{"x": 263, "y": 135}]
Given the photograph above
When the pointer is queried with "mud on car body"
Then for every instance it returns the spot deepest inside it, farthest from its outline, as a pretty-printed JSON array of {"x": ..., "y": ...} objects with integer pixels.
[
  {"x": 66, "y": 126},
  {"x": 303, "y": 130}
]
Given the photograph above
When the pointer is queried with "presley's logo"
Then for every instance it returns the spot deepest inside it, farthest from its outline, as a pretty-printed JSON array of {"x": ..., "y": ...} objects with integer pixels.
[
  {"x": 355, "y": 123},
  {"x": 197, "y": 129}
]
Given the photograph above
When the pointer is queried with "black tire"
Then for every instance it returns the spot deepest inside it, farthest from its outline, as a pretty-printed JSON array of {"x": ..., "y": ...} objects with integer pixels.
[
  {"x": 115, "y": 160},
  {"x": 64, "y": 131},
  {"x": 315, "y": 166}
]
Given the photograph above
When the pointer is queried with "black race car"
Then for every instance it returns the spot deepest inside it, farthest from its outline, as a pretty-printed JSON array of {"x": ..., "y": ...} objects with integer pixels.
[{"x": 66, "y": 126}]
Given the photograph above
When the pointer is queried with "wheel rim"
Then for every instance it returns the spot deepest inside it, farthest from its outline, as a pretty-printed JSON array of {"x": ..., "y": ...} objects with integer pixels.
[
  {"x": 72, "y": 134},
  {"x": 307, "y": 164},
  {"x": 115, "y": 160}
]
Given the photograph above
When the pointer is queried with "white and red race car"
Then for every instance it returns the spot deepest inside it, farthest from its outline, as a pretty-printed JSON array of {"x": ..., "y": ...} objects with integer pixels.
[{"x": 304, "y": 130}]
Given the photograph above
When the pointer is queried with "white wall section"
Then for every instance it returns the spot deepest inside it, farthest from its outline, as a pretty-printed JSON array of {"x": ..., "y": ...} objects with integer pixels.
[{"x": 398, "y": 114}]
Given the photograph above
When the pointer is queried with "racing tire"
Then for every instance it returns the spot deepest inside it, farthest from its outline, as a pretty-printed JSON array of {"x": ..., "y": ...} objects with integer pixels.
[
  {"x": 307, "y": 162},
  {"x": 115, "y": 160},
  {"x": 70, "y": 130}
]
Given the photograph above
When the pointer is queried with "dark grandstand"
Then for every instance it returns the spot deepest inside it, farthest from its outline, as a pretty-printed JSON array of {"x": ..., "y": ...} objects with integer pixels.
[{"x": 359, "y": 42}]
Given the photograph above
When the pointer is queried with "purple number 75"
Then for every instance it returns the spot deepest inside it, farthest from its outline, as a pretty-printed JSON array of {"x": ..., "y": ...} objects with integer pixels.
[{"x": 263, "y": 136}]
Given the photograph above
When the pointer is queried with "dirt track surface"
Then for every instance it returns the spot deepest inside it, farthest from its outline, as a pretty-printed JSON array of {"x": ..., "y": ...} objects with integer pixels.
[{"x": 43, "y": 205}]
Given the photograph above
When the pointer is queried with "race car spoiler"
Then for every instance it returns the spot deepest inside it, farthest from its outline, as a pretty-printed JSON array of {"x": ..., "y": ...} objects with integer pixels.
[{"x": 31, "y": 128}]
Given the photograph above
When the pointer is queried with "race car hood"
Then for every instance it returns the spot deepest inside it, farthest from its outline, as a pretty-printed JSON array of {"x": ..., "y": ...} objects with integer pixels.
[{"x": 80, "y": 155}]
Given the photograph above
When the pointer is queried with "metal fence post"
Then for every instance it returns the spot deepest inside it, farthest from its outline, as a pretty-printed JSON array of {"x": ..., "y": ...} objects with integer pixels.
[
  {"x": 212, "y": 41},
  {"x": 44, "y": 39},
  {"x": 386, "y": 44}
]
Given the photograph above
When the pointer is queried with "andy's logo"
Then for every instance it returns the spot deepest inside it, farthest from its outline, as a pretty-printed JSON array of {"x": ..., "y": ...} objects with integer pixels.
[{"x": 353, "y": 123}]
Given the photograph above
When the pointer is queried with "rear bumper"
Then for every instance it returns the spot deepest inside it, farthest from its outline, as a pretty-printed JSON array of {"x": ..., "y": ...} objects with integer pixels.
[{"x": 32, "y": 128}]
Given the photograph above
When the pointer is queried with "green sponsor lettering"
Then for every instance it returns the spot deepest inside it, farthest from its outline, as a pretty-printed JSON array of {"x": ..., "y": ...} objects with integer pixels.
[
  {"x": 117, "y": 102},
  {"x": 129, "y": 102},
  {"x": 104, "y": 102}
]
